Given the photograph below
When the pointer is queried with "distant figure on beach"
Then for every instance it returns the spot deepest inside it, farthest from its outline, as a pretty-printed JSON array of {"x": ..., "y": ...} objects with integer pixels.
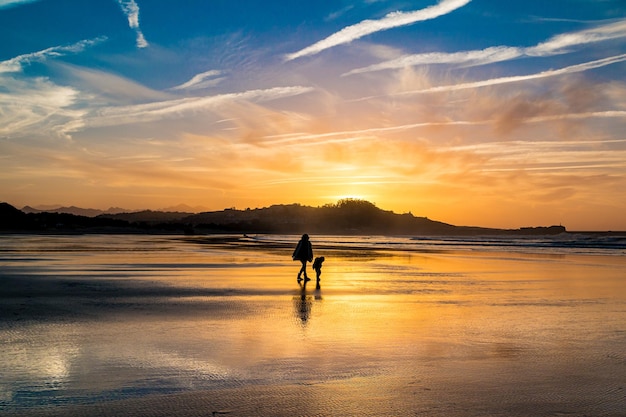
[
  {"x": 317, "y": 266},
  {"x": 303, "y": 253}
]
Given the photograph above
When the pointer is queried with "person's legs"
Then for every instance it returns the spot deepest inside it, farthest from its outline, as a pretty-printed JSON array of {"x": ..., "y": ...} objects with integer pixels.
[{"x": 303, "y": 269}]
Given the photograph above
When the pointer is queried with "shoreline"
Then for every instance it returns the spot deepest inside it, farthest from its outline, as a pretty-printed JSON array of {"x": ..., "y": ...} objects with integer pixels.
[{"x": 165, "y": 232}]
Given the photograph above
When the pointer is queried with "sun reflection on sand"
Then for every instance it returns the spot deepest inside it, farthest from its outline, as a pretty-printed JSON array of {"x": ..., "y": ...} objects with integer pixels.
[
  {"x": 412, "y": 329},
  {"x": 49, "y": 362}
]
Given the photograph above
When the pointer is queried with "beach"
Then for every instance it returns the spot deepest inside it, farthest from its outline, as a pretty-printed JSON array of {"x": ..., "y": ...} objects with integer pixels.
[{"x": 140, "y": 325}]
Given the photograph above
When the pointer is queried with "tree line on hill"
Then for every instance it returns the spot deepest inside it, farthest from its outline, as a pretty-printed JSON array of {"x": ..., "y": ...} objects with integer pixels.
[{"x": 348, "y": 216}]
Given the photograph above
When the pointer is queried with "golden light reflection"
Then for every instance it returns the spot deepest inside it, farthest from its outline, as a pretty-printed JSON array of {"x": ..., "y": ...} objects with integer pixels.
[
  {"x": 200, "y": 317},
  {"x": 47, "y": 365}
]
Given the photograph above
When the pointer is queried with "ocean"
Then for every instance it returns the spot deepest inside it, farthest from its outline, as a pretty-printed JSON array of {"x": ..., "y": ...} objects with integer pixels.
[{"x": 201, "y": 325}]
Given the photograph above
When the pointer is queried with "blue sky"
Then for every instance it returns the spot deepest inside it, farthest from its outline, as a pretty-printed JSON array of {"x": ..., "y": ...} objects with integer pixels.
[{"x": 475, "y": 112}]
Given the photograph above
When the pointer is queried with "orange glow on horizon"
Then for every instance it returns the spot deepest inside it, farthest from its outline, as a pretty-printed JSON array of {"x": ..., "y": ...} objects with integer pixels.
[{"x": 457, "y": 164}]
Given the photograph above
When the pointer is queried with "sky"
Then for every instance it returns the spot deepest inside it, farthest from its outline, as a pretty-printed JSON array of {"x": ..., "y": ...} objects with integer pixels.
[{"x": 471, "y": 112}]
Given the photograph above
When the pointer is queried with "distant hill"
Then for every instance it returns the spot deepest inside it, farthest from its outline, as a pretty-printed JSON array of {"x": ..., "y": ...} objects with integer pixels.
[
  {"x": 346, "y": 217},
  {"x": 88, "y": 212},
  {"x": 149, "y": 216},
  {"x": 77, "y": 211},
  {"x": 12, "y": 219},
  {"x": 184, "y": 208}
]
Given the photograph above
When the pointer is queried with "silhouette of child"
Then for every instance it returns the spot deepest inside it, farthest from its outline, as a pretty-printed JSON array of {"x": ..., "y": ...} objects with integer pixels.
[{"x": 317, "y": 266}]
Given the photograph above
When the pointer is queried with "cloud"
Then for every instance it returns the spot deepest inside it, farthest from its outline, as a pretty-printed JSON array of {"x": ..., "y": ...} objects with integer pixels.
[
  {"x": 339, "y": 13},
  {"x": 582, "y": 116},
  {"x": 505, "y": 80},
  {"x": 142, "y": 113},
  {"x": 559, "y": 43},
  {"x": 200, "y": 81},
  {"x": 31, "y": 105},
  {"x": 104, "y": 88},
  {"x": 5, "y": 4},
  {"x": 131, "y": 10},
  {"x": 16, "y": 64},
  {"x": 367, "y": 27},
  {"x": 315, "y": 139},
  {"x": 479, "y": 57},
  {"x": 553, "y": 46},
  {"x": 34, "y": 105},
  {"x": 529, "y": 155}
]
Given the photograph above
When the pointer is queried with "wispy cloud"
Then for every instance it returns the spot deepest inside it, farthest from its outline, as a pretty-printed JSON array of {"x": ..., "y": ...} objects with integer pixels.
[
  {"x": 131, "y": 10},
  {"x": 102, "y": 88},
  {"x": 34, "y": 105},
  {"x": 5, "y": 4},
  {"x": 505, "y": 80},
  {"x": 314, "y": 139},
  {"x": 367, "y": 27},
  {"x": 142, "y": 113},
  {"x": 581, "y": 116},
  {"x": 560, "y": 43},
  {"x": 200, "y": 81},
  {"x": 556, "y": 45},
  {"x": 478, "y": 57},
  {"x": 16, "y": 64},
  {"x": 339, "y": 13}
]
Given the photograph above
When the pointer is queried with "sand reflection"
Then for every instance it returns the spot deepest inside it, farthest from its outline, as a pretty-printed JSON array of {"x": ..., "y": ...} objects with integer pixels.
[
  {"x": 391, "y": 333},
  {"x": 303, "y": 302}
]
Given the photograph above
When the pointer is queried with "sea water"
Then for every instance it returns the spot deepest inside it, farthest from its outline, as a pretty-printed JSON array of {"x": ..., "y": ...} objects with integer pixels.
[{"x": 395, "y": 325}]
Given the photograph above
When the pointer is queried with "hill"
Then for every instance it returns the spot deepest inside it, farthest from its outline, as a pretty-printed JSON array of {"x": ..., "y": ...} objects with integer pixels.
[
  {"x": 346, "y": 217},
  {"x": 14, "y": 220},
  {"x": 89, "y": 212},
  {"x": 77, "y": 211},
  {"x": 149, "y": 216}
]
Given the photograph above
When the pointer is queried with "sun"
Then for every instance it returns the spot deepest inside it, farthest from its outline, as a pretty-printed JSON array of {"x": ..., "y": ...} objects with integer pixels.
[{"x": 349, "y": 197}]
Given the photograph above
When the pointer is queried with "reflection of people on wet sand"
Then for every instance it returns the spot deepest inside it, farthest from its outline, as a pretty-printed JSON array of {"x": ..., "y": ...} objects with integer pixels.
[
  {"x": 303, "y": 304},
  {"x": 303, "y": 253}
]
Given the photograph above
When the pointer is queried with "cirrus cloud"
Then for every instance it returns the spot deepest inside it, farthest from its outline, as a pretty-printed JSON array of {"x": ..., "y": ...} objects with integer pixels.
[
  {"x": 367, "y": 27},
  {"x": 556, "y": 45},
  {"x": 16, "y": 64},
  {"x": 131, "y": 10}
]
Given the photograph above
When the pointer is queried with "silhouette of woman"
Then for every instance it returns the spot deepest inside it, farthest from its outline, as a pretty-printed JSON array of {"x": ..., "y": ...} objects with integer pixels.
[{"x": 303, "y": 253}]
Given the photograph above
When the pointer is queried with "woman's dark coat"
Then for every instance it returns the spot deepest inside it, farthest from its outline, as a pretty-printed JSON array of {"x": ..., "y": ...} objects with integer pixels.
[{"x": 303, "y": 252}]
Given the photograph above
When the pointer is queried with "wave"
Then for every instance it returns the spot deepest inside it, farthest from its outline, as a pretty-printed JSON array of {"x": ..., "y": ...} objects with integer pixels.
[{"x": 579, "y": 243}]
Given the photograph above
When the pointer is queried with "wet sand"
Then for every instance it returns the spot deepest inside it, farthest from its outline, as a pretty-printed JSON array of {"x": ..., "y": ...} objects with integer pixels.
[{"x": 151, "y": 326}]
